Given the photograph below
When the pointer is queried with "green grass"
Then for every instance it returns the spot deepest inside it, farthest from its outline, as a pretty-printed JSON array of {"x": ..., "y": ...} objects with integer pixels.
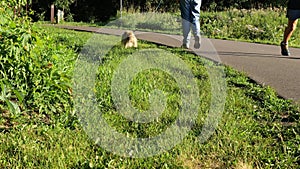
[{"x": 257, "y": 130}]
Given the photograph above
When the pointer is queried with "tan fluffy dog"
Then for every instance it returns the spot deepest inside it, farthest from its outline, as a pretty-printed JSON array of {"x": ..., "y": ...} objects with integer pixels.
[{"x": 129, "y": 40}]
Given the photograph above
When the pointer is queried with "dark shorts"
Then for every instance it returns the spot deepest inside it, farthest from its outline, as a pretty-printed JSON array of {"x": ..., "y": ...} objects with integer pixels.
[{"x": 293, "y": 14}]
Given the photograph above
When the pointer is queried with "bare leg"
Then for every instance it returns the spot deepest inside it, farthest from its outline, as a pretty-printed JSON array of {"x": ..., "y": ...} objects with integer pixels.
[
  {"x": 287, "y": 36},
  {"x": 289, "y": 30}
]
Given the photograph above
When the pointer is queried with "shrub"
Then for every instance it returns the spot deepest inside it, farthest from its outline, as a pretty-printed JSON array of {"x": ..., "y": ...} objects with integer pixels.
[{"x": 35, "y": 72}]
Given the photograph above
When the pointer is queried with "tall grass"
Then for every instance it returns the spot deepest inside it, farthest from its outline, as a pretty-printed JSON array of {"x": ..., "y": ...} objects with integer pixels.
[
  {"x": 264, "y": 25},
  {"x": 254, "y": 25}
]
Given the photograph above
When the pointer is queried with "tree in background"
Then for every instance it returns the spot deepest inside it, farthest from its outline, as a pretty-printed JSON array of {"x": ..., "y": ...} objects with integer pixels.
[
  {"x": 94, "y": 10},
  {"x": 79, "y": 10},
  {"x": 172, "y": 5},
  {"x": 41, "y": 9},
  {"x": 102, "y": 11},
  {"x": 63, "y": 4}
]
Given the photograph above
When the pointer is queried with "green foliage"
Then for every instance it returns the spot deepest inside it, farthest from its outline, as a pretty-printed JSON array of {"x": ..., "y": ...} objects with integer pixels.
[
  {"x": 151, "y": 5},
  {"x": 6, "y": 97},
  {"x": 214, "y": 5},
  {"x": 102, "y": 11},
  {"x": 15, "y": 3},
  {"x": 250, "y": 25},
  {"x": 207, "y": 5},
  {"x": 157, "y": 22},
  {"x": 35, "y": 72},
  {"x": 79, "y": 10},
  {"x": 63, "y": 4},
  {"x": 16, "y": 41},
  {"x": 94, "y": 10}
]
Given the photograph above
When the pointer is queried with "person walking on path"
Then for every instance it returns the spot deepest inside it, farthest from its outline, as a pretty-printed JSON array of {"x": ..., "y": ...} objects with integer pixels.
[
  {"x": 190, "y": 14},
  {"x": 293, "y": 14}
]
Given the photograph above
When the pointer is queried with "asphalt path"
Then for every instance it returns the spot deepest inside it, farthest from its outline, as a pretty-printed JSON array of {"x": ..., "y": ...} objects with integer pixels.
[{"x": 262, "y": 63}]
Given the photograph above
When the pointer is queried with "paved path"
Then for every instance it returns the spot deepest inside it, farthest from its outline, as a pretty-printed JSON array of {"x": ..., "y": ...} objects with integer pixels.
[{"x": 262, "y": 63}]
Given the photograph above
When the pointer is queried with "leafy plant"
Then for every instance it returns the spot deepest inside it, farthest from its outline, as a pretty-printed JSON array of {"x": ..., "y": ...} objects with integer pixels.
[
  {"x": 7, "y": 97},
  {"x": 33, "y": 66}
]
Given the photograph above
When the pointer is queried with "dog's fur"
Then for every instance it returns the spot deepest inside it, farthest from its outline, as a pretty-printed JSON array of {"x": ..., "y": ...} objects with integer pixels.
[{"x": 129, "y": 40}]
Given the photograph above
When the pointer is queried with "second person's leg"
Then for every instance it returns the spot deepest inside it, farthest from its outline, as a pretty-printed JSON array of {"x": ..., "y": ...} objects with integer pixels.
[
  {"x": 185, "y": 9},
  {"x": 196, "y": 5},
  {"x": 293, "y": 16}
]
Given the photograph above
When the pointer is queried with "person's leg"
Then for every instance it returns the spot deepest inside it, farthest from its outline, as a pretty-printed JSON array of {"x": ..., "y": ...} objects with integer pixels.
[
  {"x": 196, "y": 5},
  {"x": 293, "y": 16},
  {"x": 292, "y": 24},
  {"x": 186, "y": 33},
  {"x": 186, "y": 22}
]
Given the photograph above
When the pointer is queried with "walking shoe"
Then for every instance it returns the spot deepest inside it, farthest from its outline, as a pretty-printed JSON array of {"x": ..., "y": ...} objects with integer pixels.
[
  {"x": 185, "y": 46},
  {"x": 284, "y": 49},
  {"x": 197, "y": 42}
]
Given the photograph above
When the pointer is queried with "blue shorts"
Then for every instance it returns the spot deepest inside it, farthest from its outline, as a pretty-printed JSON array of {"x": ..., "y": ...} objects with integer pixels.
[{"x": 293, "y": 14}]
